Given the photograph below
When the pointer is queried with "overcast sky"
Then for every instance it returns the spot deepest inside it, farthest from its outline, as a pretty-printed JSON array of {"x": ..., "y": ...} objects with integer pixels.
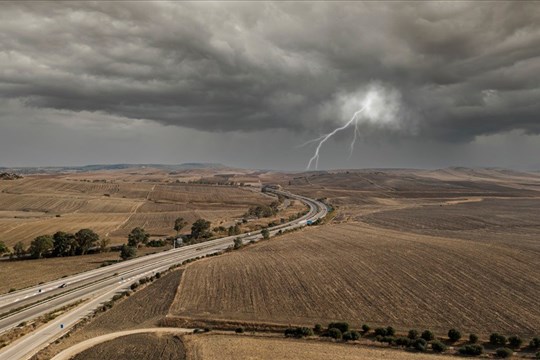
[{"x": 454, "y": 83}]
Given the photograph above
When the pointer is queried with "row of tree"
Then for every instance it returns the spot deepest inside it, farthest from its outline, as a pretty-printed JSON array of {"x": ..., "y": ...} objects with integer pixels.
[{"x": 58, "y": 245}]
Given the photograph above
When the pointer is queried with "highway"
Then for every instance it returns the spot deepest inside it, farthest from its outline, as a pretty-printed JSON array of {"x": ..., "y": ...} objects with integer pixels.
[{"x": 100, "y": 285}]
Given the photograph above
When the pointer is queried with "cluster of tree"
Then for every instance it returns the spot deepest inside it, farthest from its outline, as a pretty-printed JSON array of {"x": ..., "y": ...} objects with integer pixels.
[
  {"x": 234, "y": 230},
  {"x": 298, "y": 332},
  {"x": 61, "y": 244},
  {"x": 201, "y": 229},
  {"x": 261, "y": 211}
]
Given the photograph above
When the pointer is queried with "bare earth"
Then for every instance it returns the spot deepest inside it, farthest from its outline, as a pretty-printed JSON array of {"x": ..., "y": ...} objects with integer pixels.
[
  {"x": 403, "y": 250},
  {"x": 113, "y": 203},
  {"x": 225, "y": 347},
  {"x": 138, "y": 346}
]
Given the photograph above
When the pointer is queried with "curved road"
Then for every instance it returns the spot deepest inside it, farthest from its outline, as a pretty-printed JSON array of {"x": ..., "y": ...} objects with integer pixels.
[{"x": 100, "y": 285}]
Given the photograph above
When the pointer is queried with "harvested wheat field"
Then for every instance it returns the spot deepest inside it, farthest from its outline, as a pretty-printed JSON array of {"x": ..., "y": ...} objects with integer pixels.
[
  {"x": 137, "y": 346},
  {"x": 363, "y": 274},
  {"x": 113, "y": 203},
  {"x": 225, "y": 347}
]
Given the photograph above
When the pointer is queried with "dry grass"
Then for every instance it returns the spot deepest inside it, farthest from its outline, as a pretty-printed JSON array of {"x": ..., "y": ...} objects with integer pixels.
[
  {"x": 137, "y": 346},
  {"x": 225, "y": 347},
  {"x": 360, "y": 273},
  {"x": 113, "y": 203}
]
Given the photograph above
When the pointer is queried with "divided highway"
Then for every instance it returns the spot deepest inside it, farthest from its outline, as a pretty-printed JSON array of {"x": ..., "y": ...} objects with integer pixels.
[{"x": 100, "y": 285}]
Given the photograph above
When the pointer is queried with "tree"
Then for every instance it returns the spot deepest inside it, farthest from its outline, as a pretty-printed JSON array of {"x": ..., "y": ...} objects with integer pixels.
[
  {"x": 335, "y": 333},
  {"x": 342, "y": 326},
  {"x": 535, "y": 343},
  {"x": 127, "y": 252},
  {"x": 137, "y": 236},
  {"x": 104, "y": 244},
  {"x": 64, "y": 244},
  {"x": 504, "y": 352},
  {"x": 366, "y": 328},
  {"x": 390, "y": 331},
  {"x": 473, "y": 338},
  {"x": 497, "y": 339},
  {"x": 265, "y": 234},
  {"x": 515, "y": 341},
  {"x": 420, "y": 344},
  {"x": 454, "y": 335},
  {"x": 238, "y": 243},
  {"x": 351, "y": 335},
  {"x": 200, "y": 228},
  {"x": 19, "y": 250},
  {"x": 317, "y": 329},
  {"x": 85, "y": 239},
  {"x": 41, "y": 246},
  {"x": 3, "y": 248},
  {"x": 428, "y": 335},
  {"x": 438, "y": 346},
  {"x": 179, "y": 224},
  {"x": 413, "y": 334},
  {"x": 473, "y": 350}
]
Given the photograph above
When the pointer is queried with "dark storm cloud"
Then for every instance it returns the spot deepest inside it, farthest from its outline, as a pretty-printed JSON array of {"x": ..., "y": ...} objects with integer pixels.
[{"x": 463, "y": 69}]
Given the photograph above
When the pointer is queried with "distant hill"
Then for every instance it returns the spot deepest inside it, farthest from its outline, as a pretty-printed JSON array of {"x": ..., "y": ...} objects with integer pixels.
[{"x": 101, "y": 167}]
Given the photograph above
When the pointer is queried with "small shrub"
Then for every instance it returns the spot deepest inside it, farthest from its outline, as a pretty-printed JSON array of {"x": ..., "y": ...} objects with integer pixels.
[
  {"x": 134, "y": 286},
  {"x": 388, "y": 339},
  {"x": 366, "y": 328},
  {"x": 207, "y": 329},
  {"x": 497, "y": 339},
  {"x": 473, "y": 338},
  {"x": 413, "y": 334},
  {"x": 390, "y": 331},
  {"x": 335, "y": 333},
  {"x": 351, "y": 335},
  {"x": 380, "y": 331},
  {"x": 317, "y": 328},
  {"x": 420, "y": 344},
  {"x": 342, "y": 326},
  {"x": 428, "y": 335},
  {"x": 504, "y": 352},
  {"x": 454, "y": 335},
  {"x": 473, "y": 350},
  {"x": 239, "y": 330},
  {"x": 12, "y": 290},
  {"x": 534, "y": 343},
  {"x": 403, "y": 341},
  {"x": 438, "y": 346},
  {"x": 515, "y": 341}
]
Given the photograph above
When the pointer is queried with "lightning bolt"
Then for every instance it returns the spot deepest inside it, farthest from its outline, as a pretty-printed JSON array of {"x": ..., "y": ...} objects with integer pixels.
[{"x": 322, "y": 139}]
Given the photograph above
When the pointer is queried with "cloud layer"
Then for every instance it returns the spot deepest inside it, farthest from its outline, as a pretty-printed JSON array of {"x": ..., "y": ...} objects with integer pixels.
[{"x": 461, "y": 69}]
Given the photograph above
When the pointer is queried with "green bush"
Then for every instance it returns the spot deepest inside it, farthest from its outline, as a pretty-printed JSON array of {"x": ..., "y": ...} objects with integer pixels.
[
  {"x": 380, "y": 331},
  {"x": 497, "y": 339},
  {"x": 390, "y": 331},
  {"x": 317, "y": 328},
  {"x": 351, "y": 335},
  {"x": 335, "y": 333},
  {"x": 403, "y": 341},
  {"x": 342, "y": 326},
  {"x": 420, "y": 344},
  {"x": 454, "y": 335},
  {"x": 298, "y": 332},
  {"x": 438, "y": 346},
  {"x": 515, "y": 341},
  {"x": 504, "y": 352},
  {"x": 535, "y": 343},
  {"x": 473, "y": 338},
  {"x": 366, "y": 328},
  {"x": 389, "y": 340},
  {"x": 413, "y": 334},
  {"x": 428, "y": 335},
  {"x": 239, "y": 330},
  {"x": 473, "y": 350}
]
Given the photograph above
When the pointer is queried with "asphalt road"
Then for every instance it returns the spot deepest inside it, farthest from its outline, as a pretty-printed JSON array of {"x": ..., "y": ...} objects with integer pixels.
[{"x": 100, "y": 285}]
